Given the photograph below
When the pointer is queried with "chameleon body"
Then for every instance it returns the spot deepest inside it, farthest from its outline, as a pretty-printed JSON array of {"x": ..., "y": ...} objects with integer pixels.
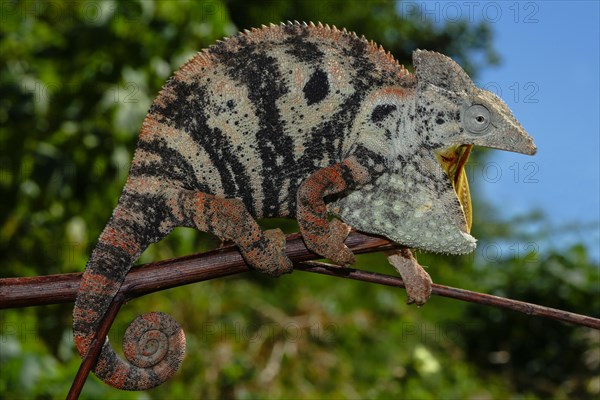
[{"x": 299, "y": 121}]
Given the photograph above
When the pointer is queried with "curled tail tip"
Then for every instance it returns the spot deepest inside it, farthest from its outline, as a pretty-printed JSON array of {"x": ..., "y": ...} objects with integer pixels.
[{"x": 154, "y": 345}]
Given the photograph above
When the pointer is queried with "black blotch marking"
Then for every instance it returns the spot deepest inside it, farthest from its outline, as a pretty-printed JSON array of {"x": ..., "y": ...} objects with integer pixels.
[
  {"x": 440, "y": 118},
  {"x": 381, "y": 111},
  {"x": 368, "y": 159},
  {"x": 388, "y": 134},
  {"x": 303, "y": 50},
  {"x": 317, "y": 87}
]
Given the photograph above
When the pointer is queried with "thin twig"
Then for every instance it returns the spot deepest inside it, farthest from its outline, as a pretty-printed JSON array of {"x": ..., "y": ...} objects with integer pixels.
[
  {"x": 91, "y": 357},
  {"x": 451, "y": 292}
]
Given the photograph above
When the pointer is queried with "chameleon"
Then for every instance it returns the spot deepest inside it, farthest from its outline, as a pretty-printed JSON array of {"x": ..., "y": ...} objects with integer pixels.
[{"x": 302, "y": 121}]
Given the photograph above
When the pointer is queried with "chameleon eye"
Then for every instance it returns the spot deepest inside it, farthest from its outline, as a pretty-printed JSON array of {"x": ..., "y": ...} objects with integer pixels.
[{"x": 477, "y": 118}]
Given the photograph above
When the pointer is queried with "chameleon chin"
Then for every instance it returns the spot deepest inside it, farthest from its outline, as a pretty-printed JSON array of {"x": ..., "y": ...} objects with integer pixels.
[{"x": 267, "y": 124}]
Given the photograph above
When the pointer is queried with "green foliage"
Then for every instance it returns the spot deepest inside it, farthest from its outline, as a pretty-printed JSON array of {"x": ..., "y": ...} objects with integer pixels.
[
  {"x": 76, "y": 80},
  {"x": 563, "y": 361}
]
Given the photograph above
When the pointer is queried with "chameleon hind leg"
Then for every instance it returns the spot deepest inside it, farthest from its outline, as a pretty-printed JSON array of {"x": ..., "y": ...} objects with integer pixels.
[
  {"x": 229, "y": 219},
  {"x": 321, "y": 236}
]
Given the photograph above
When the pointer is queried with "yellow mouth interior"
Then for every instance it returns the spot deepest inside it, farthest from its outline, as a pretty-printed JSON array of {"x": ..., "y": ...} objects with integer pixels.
[{"x": 453, "y": 160}]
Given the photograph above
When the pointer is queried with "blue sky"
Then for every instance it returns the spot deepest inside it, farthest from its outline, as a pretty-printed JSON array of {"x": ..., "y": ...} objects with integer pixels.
[
  {"x": 549, "y": 77},
  {"x": 559, "y": 54}
]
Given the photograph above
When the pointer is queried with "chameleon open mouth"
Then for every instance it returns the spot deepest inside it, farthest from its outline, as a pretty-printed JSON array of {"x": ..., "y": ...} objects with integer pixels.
[{"x": 453, "y": 160}]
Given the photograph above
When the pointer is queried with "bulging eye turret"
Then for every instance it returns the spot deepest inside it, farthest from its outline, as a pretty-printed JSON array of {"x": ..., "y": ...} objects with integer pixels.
[{"x": 476, "y": 119}]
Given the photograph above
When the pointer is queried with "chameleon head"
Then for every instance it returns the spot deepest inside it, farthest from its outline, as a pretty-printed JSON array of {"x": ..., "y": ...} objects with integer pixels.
[
  {"x": 454, "y": 115},
  {"x": 452, "y": 111},
  {"x": 414, "y": 203}
]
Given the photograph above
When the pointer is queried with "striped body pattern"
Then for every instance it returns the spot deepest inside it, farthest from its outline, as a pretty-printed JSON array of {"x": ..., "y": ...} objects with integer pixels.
[
  {"x": 254, "y": 115},
  {"x": 271, "y": 123}
]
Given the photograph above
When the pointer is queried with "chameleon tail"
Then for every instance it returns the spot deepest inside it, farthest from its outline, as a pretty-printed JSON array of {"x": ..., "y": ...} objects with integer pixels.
[{"x": 154, "y": 343}]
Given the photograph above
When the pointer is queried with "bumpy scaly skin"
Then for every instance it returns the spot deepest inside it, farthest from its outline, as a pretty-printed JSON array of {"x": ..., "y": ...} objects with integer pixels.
[
  {"x": 267, "y": 123},
  {"x": 263, "y": 124}
]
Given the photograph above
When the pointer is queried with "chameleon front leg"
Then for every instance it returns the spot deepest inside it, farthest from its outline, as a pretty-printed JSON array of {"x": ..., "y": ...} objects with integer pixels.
[
  {"x": 321, "y": 236},
  {"x": 230, "y": 220},
  {"x": 416, "y": 280}
]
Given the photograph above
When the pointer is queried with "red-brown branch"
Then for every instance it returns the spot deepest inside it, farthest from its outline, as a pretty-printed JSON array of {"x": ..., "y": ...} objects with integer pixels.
[
  {"x": 149, "y": 278},
  {"x": 51, "y": 289}
]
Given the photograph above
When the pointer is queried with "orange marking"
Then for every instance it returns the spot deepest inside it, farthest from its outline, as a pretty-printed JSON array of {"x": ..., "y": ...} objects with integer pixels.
[
  {"x": 148, "y": 126},
  {"x": 129, "y": 348},
  {"x": 121, "y": 240},
  {"x": 152, "y": 318},
  {"x": 118, "y": 377},
  {"x": 393, "y": 91},
  {"x": 83, "y": 343},
  {"x": 96, "y": 284},
  {"x": 389, "y": 92}
]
